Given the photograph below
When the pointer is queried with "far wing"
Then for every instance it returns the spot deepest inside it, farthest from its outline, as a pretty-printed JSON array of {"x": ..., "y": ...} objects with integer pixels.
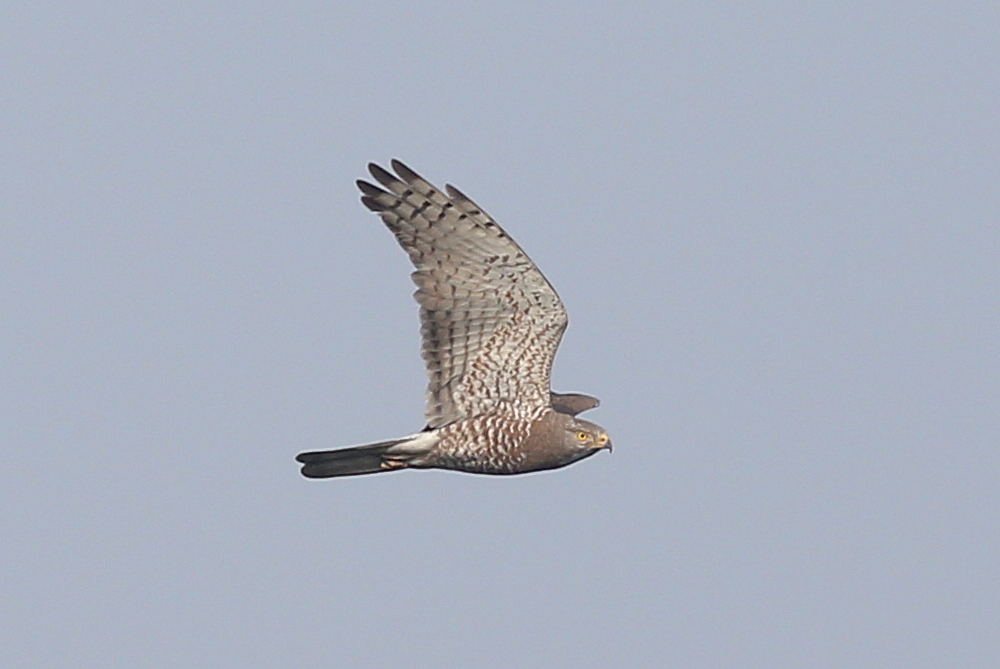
[{"x": 573, "y": 403}]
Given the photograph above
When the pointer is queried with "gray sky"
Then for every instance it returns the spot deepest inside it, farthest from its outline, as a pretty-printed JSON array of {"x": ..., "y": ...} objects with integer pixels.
[{"x": 776, "y": 231}]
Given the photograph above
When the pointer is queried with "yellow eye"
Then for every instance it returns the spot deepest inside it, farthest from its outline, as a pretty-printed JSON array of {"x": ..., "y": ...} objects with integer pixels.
[{"x": 582, "y": 436}]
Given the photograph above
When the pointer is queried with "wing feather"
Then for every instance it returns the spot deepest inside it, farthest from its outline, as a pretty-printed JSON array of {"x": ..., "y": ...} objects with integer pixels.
[{"x": 490, "y": 321}]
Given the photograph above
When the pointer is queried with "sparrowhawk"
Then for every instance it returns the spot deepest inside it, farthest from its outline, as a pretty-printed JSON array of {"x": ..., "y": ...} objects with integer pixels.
[{"x": 490, "y": 324}]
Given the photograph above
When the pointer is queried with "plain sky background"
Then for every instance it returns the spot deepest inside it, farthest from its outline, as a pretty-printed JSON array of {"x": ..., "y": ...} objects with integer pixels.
[{"x": 775, "y": 227}]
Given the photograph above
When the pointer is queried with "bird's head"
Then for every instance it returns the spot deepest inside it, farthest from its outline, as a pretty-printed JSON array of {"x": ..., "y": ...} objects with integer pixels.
[{"x": 585, "y": 436}]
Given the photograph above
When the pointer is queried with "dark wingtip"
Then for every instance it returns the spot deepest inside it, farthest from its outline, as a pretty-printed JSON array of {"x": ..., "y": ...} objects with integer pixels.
[
  {"x": 368, "y": 188},
  {"x": 374, "y": 204},
  {"x": 404, "y": 172},
  {"x": 382, "y": 175}
]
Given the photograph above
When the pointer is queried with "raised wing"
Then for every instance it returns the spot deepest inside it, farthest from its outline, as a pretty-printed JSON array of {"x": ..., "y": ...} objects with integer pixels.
[{"x": 490, "y": 321}]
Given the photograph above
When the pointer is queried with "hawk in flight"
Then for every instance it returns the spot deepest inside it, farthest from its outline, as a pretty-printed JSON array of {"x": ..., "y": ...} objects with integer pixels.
[{"x": 490, "y": 324}]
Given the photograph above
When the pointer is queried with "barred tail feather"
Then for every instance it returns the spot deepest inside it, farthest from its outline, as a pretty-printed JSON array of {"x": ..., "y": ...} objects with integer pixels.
[{"x": 383, "y": 456}]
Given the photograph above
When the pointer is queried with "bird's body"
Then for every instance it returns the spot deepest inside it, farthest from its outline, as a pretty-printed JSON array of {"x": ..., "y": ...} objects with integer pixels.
[{"x": 491, "y": 324}]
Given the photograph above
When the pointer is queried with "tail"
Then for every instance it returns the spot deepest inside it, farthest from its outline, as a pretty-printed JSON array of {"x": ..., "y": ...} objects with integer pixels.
[{"x": 384, "y": 456}]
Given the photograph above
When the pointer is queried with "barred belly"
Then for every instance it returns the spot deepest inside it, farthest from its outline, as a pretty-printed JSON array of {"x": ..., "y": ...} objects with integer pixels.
[{"x": 488, "y": 444}]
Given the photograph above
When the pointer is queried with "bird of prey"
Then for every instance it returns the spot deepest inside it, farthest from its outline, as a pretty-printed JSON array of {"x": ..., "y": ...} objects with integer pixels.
[{"x": 490, "y": 324}]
